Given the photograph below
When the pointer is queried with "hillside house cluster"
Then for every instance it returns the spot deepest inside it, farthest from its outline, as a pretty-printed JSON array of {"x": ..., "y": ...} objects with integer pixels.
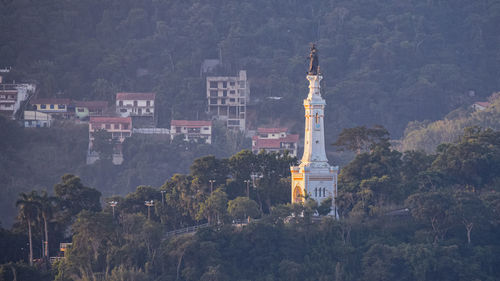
[{"x": 135, "y": 113}]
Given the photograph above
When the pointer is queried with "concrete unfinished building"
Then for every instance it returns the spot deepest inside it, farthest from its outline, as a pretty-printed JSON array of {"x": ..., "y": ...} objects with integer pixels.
[{"x": 227, "y": 99}]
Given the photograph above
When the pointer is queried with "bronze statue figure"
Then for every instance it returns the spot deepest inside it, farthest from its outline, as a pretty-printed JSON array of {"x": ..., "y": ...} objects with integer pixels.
[{"x": 313, "y": 61}]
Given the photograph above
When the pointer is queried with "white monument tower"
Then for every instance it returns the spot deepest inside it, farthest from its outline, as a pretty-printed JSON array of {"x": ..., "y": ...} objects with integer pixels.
[{"x": 314, "y": 177}]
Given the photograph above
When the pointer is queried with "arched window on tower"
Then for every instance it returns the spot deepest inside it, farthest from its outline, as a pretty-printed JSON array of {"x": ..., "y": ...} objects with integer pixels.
[
  {"x": 316, "y": 192},
  {"x": 324, "y": 192},
  {"x": 317, "y": 118}
]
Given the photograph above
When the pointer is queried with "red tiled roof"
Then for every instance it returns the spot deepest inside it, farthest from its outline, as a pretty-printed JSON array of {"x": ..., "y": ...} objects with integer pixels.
[
  {"x": 91, "y": 104},
  {"x": 135, "y": 96},
  {"x": 51, "y": 101},
  {"x": 271, "y": 130},
  {"x": 274, "y": 143},
  {"x": 482, "y": 103},
  {"x": 101, "y": 119},
  {"x": 189, "y": 123}
]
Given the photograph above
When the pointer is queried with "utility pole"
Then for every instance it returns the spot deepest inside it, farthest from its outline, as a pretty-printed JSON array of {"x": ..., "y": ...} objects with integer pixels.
[{"x": 248, "y": 187}]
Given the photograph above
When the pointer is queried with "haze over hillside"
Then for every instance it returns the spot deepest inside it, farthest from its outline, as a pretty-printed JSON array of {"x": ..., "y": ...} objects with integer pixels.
[
  {"x": 385, "y": 62},
  {"x": 208, "y": 208}
]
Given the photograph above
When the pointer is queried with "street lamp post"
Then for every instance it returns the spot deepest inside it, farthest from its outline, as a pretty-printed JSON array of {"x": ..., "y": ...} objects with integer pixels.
[
  {"x": 248, "y": 187},
  {"x": 113, "y": 204},
  {"x": 149, "y": 204},
  {"x": 163, "y": 196},
  {"x": 211, "y": 185}
]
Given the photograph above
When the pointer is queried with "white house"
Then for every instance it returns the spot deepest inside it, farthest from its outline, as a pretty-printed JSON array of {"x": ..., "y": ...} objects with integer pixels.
[
  {"x": 197, "y": 131},
  {"x": 139, "y": 106},
  {"x": 275, "y": 140}
]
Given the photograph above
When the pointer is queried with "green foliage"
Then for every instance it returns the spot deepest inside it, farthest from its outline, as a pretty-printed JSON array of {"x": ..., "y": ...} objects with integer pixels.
[
  {"x": 74, "y": 197},
  {"x": 428, "y": 135},
  {"x": 103, "y": 144},
  {"x": 215, "y": 207},
  {"x": 242, "y": 208},
  {"x": 402, "y": 217},
  {"x": 21, "y": 271},
  {"x": 35, "y": 159},
  {"x": 360, "y": 139}
]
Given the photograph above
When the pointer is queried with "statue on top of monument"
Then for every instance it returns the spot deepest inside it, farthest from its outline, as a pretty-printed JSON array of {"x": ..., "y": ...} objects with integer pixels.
[{"x": 313, "y": 61}]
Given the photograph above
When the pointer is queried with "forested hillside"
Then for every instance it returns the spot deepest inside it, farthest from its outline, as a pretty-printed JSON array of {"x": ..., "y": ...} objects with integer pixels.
[
  {"x": 428, "y": 135},
  {"x": 387, "y": 62},
  {"x": 411, "y": 216},
  {"x": 35, "y": 159}
]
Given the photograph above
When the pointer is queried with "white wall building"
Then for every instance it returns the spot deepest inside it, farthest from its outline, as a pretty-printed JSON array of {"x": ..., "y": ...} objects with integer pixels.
[
  {"x": 227, "y": 99},
  {"x": 139, "y": 106},
  {"x": 196, "y": 131},
  {"x": 314, "y": 176},
  {"x": 36, "y": 119},
  {"x": 12, "y": 96}
]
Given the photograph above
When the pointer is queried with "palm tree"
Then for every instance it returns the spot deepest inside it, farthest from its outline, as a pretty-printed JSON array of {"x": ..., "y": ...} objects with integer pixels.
[
  {"x": 45, "y": 209},
  {"x": 28, "y": 212}
]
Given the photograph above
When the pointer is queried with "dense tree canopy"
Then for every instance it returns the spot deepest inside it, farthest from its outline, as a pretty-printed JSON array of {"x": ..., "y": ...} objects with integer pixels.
[{"x": 407, "y": 216}]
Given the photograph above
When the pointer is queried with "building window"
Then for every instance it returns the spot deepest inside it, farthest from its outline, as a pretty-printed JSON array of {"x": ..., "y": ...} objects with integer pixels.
[
  {"x": 81, "y": 110},
  {"x": 178, "y": 129},
  {"x": 51, "y": 106},
  {"x": 120, "y": 103},
  {"x": 124, "y": 126},
  {"x": 231, "y": 100},
  {"x": 224, "y": 93},
  {"x": 206, "y": 128},
  {"x": 43, "y": 106},
  {"x": 147, "y": 110},
  {"x": 123, "y": 110},
  {"x": 213, "y": 84},
  {"x": 242, "y": 84},
  {"x": 213, "y": 101},
  {"x": 222, "y": 101},
  {"x": 224, "y": 84},
  {"x": 324, "y": 192},
  {"x": 61, "y": 106},
  {"x": 232, "y": 83},
  {"x": 108, "y": 126},
  {"x": 148, "y": 103},
  {"x": 135, "y": 103},
  {"x": 232, "y": 92},
  {"x": 213, "y": 93},
  {"x": 117, "y": 126}
]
